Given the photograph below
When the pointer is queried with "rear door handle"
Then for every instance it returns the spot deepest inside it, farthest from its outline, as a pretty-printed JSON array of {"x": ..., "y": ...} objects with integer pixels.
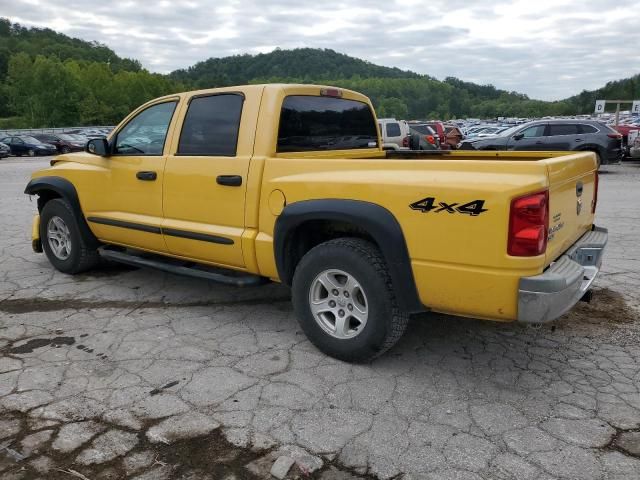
[
  {"x": 578, "y": 139},
  {"x": 229, "y": 180},
  {"x": 147, "y": 176}
]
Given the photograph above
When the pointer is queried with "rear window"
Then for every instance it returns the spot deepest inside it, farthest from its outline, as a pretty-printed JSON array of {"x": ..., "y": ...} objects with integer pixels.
[
  {"x": 310, "y": 123},
  {"x": 587, "y": 129},
  {"x": 563, "y": 129},
  {"x": 211, "y": 126},
  {"x": 423, "y": 129},
  {"x": 393, "y": 130}
]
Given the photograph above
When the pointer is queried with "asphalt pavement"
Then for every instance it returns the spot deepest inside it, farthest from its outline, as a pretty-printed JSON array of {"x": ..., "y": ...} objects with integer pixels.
[{"x": 125, "y": 372}]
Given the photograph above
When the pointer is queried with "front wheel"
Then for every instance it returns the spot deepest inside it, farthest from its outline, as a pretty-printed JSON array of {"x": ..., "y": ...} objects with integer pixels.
[
  {"x": 344, "y": 300},
  {"x": 62, "y": 240},
  {"x": 31, "y": 152},
  {"x": 65, "y": 149}
]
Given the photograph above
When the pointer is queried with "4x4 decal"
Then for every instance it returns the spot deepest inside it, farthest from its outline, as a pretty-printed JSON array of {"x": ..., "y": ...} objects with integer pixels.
[{"x": 429, "y": 204}]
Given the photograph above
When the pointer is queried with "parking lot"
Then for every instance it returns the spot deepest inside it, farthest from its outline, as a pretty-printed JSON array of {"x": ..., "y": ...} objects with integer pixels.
[{"x": 123, "y": 372}]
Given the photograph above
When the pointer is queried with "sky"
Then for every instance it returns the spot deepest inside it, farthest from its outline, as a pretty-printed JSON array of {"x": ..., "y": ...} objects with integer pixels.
[{"x": 547, "y": 49}]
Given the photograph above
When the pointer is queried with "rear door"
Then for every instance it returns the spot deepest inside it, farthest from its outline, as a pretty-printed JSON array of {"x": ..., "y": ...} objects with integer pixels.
[
  {"x": 206, "y": 175},
  {"x": 563, "y": 136}
]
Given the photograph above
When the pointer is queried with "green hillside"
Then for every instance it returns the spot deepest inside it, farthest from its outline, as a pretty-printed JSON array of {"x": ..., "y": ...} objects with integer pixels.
[{"x": 50, "y": 79}]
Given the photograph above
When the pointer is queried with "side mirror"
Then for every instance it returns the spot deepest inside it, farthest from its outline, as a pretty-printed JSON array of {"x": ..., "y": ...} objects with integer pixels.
[
  {"x": 98, "y": 146},
  {"x": 518, "y": 136}
]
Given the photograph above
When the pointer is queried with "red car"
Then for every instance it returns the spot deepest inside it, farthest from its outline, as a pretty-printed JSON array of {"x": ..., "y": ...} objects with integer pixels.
[{"x": 63, "y": 142}]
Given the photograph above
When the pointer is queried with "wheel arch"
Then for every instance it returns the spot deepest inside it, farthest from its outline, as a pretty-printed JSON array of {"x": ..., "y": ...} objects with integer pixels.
[
  {"x": 49, "y": 188},
  {"x": 302, "y": 225}
]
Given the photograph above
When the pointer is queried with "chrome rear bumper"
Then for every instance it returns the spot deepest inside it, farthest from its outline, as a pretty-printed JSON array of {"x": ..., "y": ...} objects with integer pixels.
[{"x": 545, "y": 297}]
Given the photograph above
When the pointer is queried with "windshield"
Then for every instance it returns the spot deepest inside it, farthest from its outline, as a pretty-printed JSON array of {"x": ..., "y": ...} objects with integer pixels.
[
  {"x": 509, "y": 131},
  {"x": 30, "y": 140}
]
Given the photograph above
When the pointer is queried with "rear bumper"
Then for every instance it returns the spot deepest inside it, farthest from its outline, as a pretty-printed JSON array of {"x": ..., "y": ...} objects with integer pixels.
[{"x": 545, "y": 297}]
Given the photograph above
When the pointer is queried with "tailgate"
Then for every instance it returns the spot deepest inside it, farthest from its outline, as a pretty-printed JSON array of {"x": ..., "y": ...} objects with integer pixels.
[{"x": 572, "y": 184}]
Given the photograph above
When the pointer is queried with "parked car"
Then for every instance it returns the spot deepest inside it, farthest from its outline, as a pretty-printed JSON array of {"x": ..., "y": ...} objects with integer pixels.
[
  {"x": 579, "y": 135},
  {"x": 439, "y": 128},
  {"x": 395, "y": 134},
  {"x": 28, "y": 145},
  {"x": 63, "y": 142},
  {"x": 423, "y": 137},
  {"x": 5, "y": 151}
]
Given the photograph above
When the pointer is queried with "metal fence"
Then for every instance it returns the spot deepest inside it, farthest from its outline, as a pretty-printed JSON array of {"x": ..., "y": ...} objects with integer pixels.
[{"x": 30, "y": 131}]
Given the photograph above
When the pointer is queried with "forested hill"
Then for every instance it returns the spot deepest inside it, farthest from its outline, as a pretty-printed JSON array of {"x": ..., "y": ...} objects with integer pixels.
[
  {"x": 50, "y": 79},
  {"x": 626, "y": 89},
  {"x": 304, "y": 63},
  {"x": 43, "y": 41}
]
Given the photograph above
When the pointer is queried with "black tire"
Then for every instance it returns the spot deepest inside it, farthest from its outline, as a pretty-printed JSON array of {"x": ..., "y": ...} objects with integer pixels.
[
  {"x": 31, "y": 152},
  {"x": 65, "y": 149},
  {"x": 81, "y": 256},
  {"x": 386, "y": 322}
]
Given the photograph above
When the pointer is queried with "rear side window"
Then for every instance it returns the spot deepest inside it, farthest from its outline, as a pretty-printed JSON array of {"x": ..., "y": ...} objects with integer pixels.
[
  {"x": 211, "y": 126},
  {"x": 393, "y": 130},
  {"x": 563, "y": 129},
  {"x": 588, "y": 129},
  {"x": 310, "y": 123}
]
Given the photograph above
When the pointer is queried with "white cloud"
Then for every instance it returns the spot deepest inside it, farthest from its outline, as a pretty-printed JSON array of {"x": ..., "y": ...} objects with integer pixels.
[{"x": 548, "y": 49}]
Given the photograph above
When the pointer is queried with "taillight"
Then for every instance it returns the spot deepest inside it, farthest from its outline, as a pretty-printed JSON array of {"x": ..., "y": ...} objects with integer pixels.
[
  {"x": 528, "y": 225},
  {"x": 594, "y": 202},
  {"x": 617, "y": 136},
  {"x": 430, "y": 139},
  {"x": 405, "y": 142}
]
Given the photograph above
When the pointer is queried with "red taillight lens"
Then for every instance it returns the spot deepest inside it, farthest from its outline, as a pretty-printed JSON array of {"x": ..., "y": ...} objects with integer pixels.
[
  {"x": 528, "y": 225},
  {"x": 617, "y": 136},
  {"x": 430, "y": 139},
  {"x": 594, "y": 202},
  {"x": 331, "y": 92}
]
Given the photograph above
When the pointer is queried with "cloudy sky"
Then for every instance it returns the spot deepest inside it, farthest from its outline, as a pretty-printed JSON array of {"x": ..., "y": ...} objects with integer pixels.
[{"x": 548, "y": 49}]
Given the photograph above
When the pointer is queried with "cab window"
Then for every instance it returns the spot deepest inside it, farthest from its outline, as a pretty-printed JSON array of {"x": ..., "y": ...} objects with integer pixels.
[
  {"x": 309, "y": 123},
  {"x": 145, "y": 133},
  {"x": 211, "y": 126}
]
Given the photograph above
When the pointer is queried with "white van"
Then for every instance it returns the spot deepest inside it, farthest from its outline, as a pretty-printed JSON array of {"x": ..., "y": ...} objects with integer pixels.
[{"x": 395, "y": 134}]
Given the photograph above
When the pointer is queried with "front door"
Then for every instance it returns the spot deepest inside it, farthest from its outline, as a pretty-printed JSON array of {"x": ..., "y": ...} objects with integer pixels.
[
  {"x": 127, "y": 205},
  {"x": 206, "y": 178},
  {"x": 531, "y": 138}
]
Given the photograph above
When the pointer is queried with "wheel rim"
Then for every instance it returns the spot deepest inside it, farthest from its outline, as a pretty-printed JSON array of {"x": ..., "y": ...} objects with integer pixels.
[
  {"x": 31, "y": 153},
  {"x": 59, "y": 238},
  {"x": 338, "y": 304}
]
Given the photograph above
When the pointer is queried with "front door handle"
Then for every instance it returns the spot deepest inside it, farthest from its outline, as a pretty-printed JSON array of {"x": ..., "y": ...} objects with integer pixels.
[
  {"x": 147, "y": 176},
  {"x": 229, "y": 180}
]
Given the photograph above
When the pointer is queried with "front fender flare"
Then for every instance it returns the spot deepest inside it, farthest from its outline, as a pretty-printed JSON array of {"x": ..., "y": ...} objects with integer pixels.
[
  {"x": 377, "y": 221},
  {"x": 63, "y": 188}
]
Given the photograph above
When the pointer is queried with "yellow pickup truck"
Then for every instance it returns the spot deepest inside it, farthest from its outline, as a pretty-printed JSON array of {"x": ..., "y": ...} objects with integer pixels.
[{"x": 290, "y": 183}]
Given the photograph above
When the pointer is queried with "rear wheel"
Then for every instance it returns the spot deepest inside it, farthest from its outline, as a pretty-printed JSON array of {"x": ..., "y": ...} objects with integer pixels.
[
  {"x": 65, "y": 149},
  {"x": 344, "y": 300},
  {"x": 31, "y": 152},
  {"x": 62, "y": 240}
]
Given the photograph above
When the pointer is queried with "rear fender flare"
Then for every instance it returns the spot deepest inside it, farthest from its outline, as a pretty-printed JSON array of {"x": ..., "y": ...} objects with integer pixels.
[{"x": 377, "y": 221}]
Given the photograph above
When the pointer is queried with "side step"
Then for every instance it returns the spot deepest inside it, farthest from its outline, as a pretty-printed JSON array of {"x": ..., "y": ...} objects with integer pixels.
[{"x": 177, "y": 268}]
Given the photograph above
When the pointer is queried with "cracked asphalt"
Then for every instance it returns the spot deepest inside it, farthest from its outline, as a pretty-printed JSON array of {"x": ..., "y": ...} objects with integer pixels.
[{"x": 126, "y": 372}]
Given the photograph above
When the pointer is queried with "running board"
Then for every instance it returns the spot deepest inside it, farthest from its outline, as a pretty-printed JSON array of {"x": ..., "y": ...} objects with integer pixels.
[{"x": 166, "y": 265}]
